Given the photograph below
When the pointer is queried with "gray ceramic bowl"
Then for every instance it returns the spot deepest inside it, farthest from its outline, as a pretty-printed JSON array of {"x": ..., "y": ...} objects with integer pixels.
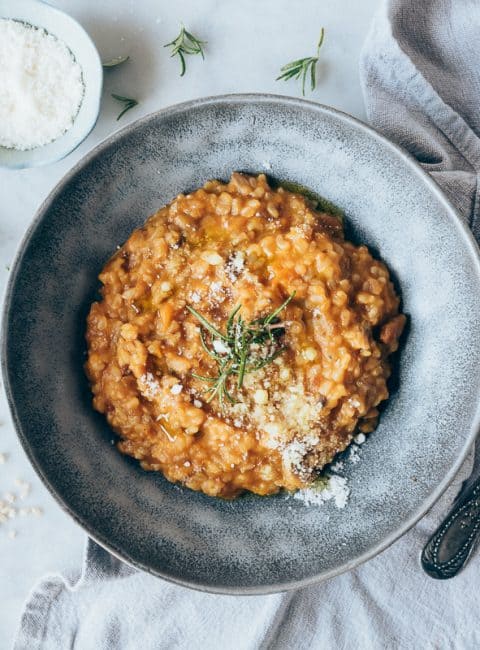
[{"x": 251, "y": 545}]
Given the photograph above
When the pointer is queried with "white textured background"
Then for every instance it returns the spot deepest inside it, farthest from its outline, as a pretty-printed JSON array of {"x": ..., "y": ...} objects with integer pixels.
[{"x": 248, "y": 41}]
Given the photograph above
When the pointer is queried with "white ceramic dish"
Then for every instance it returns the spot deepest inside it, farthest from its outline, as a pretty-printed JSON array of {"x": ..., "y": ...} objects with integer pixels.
[{"x": 67, "y": 29}]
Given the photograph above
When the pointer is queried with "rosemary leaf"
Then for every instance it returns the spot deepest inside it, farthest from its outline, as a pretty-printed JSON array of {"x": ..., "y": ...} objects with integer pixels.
[
  {"x": 274, "y": 314},
  {"x": 128, "y": 103},
  {"x": 231, "y": 320},
  {"x": 243, "y": 361},
  {"x": 203, "y": 378},
  {"x": 208, "y": 326},
  {"x": 185, "y": 44},
  {"x": 302, "y": 68},
  {"x": 239, "y": 357},
  {"x": 118, "y": 60}
]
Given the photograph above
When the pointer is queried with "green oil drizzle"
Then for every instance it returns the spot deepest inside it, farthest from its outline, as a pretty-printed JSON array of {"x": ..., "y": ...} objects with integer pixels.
[{"x": 318, "y": 202}]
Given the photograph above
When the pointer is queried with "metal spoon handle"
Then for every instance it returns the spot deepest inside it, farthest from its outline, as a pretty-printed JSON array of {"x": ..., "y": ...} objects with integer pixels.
[{"x": 449, "y": 548}]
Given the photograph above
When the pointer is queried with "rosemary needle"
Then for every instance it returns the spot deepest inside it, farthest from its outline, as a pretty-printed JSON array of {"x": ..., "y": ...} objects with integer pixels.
[
  {"x": 118, "y": 60},
  {"x": 243, "y": 348},
  {"x": 186, "y": 44},
  {"x": 302, "y": 68},
  {"x": 128, "y": 103}
]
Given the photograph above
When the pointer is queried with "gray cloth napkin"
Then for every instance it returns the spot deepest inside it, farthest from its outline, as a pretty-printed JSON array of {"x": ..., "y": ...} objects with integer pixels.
[{"x": 420, "y": 70}]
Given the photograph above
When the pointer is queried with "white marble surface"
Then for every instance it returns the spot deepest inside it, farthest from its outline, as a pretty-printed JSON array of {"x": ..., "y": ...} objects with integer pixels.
[{"x": 247, "y": 43}]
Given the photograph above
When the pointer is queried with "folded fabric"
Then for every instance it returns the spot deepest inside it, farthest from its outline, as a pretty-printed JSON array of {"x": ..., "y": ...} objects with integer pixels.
[
  {"x": 420, "y": 72},
  {"x": 421, "y": 78},
  {"x": 387, "y": 603}
]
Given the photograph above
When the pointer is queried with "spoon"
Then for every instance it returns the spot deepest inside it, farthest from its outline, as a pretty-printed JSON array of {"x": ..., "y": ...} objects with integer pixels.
[{"x": 449, "y": 548}]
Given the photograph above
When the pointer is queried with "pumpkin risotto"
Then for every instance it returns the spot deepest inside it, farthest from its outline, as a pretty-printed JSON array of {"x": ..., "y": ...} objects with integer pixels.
[{"x": 241, "y": 342}]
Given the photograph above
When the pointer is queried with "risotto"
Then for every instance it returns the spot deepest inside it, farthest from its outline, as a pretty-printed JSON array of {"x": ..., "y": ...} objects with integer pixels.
[{"x": 240, "y": 342}]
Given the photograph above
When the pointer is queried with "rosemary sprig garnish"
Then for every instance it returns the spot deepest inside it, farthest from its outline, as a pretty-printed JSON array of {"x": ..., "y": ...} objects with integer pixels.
[
  {"x": 117, "y": 60},
  {"x": 128, "y": 103},
  {"x": 243, "y": 348},
  {"x": 302, "y": 68},
  {"x": 186, "y": 44}
]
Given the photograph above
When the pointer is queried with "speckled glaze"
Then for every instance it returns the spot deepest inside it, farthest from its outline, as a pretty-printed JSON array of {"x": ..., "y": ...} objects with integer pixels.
[{"x": 253, "y": 544}]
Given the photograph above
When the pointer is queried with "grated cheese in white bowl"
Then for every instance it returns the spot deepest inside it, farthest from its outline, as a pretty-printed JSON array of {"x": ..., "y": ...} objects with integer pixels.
[{"x": 42, "y": 86}]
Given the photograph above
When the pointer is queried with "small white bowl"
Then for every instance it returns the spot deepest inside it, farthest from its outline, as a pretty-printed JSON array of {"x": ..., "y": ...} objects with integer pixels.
[{"x": 64, "y": 27}]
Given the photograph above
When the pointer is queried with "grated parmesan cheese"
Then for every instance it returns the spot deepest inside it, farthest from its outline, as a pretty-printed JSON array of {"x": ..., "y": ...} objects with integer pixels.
[
  {"x": 42, "y": 86},
  {"x": 335, "y": 488},
  {"x": 354, "y": 454},
  {"x": 294, "y": 453},
  {"x": 150, "y": 386},
  {"x": 24, "y": 488},
  {"x": 220, "y": 347},
  {"x": 235, "y": 265},
  {"x": 176, "y": 389},
  {"x": 337, "y": 466},
  {"x": 276, "y": 402},
  {"x": 10, "y": 497},
  {"x": 280, "y": 412},
  {"x": 8, "y": 509}
]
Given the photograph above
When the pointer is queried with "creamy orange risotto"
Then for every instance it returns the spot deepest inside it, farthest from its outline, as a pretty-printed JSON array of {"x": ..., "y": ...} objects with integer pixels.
[{"x": 241, "y": 342}]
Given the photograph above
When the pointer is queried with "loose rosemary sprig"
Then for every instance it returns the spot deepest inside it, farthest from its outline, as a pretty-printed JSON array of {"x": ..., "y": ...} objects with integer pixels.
[
  {"x": 128, "y": 104},
  {"x": 186, "y": 43},
  {"x": 301, "y": 68},
  {"x": 234, "y": 351},
  {"x": 117, "y": 60}
]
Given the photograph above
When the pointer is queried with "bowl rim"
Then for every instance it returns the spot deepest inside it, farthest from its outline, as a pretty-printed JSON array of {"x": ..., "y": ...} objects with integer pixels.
[
  {"x": 97, "y": 94},
  {"x": 248, "y": 98}
]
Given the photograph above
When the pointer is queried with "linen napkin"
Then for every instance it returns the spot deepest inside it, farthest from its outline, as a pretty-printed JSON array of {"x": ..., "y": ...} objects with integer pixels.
[{"x": 420, "y": 71}]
